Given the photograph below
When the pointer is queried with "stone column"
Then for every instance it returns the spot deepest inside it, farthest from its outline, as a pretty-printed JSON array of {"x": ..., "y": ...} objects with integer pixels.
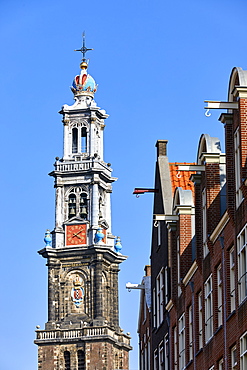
[
  {"x": 66, "y": 141},
  {"x": 95, "y": 205},
  {"x": 59, "y": 211}
]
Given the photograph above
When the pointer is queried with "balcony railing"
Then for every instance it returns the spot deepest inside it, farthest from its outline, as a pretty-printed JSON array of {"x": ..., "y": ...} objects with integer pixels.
[
  {"x": 79, "y": 166},
  {"x": 56, "y": 334}
]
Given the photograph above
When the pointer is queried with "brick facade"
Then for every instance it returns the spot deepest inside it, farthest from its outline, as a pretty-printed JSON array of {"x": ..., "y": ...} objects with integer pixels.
[{"x": 203, "y": 251}]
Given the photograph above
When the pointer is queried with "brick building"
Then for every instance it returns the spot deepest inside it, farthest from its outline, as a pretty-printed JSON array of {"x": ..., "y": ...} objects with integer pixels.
[
  {"x": 199, "y": 249},
  {"x": 83, "y": 258}
]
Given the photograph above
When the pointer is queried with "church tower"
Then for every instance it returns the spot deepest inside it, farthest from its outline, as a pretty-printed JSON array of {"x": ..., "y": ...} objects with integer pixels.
[{"x": 83, "y": 256}]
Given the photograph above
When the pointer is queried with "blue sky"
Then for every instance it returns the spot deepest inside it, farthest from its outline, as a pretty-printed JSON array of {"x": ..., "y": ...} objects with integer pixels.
[{"x": 155, "y": 63}]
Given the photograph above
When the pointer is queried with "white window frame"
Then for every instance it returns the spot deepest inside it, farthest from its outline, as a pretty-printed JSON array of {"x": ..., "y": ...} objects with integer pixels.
[
  {"x": 208, "y": 304},
  {"x": 181, "y": 341},
  {"x": 166, "y": 286},
  {"x": 232, "y": 279},
  {"x": 242, "y": 263},
  {"x": 160, "y": 297},
  {"x": 204, "y": 223},
  {"x": 237, "y": 160},
  {"x": 154, "y": 308},
  {"x": 243, "y": 352},
  {"x": 200, "y": 321},
  {"x": 161, "y": 355},
  {"x": 219, "y": 295},
  {"x": 221, "y": 362},
  {"x": 175, "y": 347},
  {"x": 156, "y": 360},
  {"x": 234, "y": 361},
  {"x": 190, "y": 333},
  {"x": 166, "y": 352}
]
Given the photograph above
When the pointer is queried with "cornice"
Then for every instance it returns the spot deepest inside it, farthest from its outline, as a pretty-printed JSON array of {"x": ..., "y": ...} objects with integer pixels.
[
  {"x": 169, "y": 305},
  {"x": 223, "y": 221},
  {"x": 190, "y": 273}
]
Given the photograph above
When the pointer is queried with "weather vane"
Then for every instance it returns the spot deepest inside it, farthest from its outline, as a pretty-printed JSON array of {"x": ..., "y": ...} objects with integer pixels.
[{"x": 83, "y": 49}]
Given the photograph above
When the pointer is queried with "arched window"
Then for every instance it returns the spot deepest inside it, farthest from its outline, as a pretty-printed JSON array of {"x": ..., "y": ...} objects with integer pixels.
[
  {"x": 66, "y": 360},
  {"x": 74, "y": 140},
  {"x": 72, "y": 205},
  {"x": 81, "y": 360},
  {"x": 83, "y": 206},
  {"x": 83, "y": 140}
]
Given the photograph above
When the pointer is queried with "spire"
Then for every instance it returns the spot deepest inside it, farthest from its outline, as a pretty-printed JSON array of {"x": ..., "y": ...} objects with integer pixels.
[
  {"x": 83, "y": 50},
  {"x": 84, "y": 84}
]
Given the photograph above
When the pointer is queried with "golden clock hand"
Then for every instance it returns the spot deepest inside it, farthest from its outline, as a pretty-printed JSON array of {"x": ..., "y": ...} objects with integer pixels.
[
  {"x": 78, "y": 232},
  {"x": 78, "y": 236}
]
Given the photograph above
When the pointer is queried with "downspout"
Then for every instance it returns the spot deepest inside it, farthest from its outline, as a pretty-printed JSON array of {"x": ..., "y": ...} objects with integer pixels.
[{"x": 224, "y": 300}]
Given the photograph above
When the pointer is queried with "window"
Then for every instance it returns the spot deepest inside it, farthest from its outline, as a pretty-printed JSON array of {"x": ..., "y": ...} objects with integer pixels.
[
  {"x": 178, "y": 267},
  {"x": 190, "y": 333},
  {"x": 83, "y": 206},
  {"x": 148, "y": 355},
  {"x": 81, "y": 360},
  {"x": 66, "y": 360},
  {"x": 175, "y": 345},
  {"x": 234, "y": 362},
  {"x": 156, "y": 360},
  {"x": 208, "y": 309},
  {"x": 200, "y": 319},
  {"x": 239, "y": 195},
  {"x": 221, "y": 364},
  {"x": 242, "y": 264},
  {"x": 74, "y": 140},
  {"x": 166, "y": 353},
  {"x": 154, "y": 308},
  {"x": 243, "y": 352},
  {"x": 204, "y": 223},
  {"x": 160, "y": 296},
  {"x": 181, "y": 341},
  {"x": 232, "y": 279},
  {"x": 78, "y": 203},
  {"x": 161, "y": 356},
  {"x": 166, "y": 285},
  {"x": 142, "y": 361},
  {"x": 219, "y": 294},
  {"x": 72, "y": 205},
  {"x": 83, "y": 140}
]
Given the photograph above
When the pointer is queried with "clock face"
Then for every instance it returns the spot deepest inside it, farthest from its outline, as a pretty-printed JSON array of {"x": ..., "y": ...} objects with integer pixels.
[{"x": 76, "y": 234}]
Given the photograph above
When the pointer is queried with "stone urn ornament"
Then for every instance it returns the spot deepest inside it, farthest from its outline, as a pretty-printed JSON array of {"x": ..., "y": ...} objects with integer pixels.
[
  {"x": 118, "y": 245},
  {"x": 99, "y": 236},
  {"x": 47, "y": 238}
]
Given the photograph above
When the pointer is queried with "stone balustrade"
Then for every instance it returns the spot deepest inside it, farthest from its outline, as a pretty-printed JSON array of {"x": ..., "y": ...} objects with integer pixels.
[
  {"x": 79, "y": 166},
  {"x": 78, "y": 333}
]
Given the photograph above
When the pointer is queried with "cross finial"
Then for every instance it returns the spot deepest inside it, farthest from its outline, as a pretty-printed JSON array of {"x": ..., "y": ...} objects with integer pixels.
[{"x": 83, "y": 49}]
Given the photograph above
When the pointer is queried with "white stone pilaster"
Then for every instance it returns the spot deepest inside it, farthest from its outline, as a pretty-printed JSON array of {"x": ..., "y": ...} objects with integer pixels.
[
  {"x": 95, "y": 205},
  {"x": 59, "y": 208},
  {"x": 108, "y": 210},
  {"x": 66, "y": 143}
]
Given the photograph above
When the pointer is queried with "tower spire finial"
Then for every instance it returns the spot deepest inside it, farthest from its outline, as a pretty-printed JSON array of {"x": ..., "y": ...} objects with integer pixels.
[{"x": 83, "y": 50}]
